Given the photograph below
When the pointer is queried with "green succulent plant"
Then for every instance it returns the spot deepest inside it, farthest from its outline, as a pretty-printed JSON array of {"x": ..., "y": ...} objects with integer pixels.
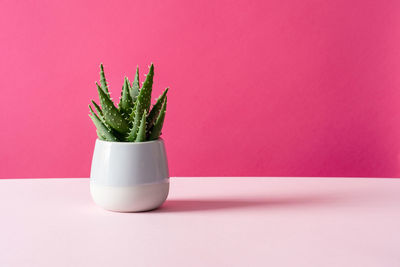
[{"x": 133, "y": 120}]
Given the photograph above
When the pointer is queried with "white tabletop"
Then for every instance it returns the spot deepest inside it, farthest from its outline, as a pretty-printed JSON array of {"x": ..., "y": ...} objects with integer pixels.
[{"x": 206, "y": 222}]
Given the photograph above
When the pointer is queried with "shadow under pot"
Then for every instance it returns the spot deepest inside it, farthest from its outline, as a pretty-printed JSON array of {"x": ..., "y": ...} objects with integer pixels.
[{"x": 129, "y": 177}]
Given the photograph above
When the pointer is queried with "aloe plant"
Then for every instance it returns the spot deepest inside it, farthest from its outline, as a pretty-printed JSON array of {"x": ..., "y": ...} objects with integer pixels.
[{"x": 134, "y": 119}]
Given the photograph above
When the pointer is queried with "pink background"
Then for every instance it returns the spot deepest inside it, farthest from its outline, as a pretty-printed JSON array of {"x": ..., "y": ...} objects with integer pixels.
[{"x": 258, "y": 88}]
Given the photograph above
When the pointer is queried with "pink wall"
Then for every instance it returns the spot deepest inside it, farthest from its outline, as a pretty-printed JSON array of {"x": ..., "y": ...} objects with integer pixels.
[{"x": 258, "y": 88}]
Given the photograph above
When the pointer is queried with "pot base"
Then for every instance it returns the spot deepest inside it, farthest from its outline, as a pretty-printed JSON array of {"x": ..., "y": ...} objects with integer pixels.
[{"x": 130, "y": 198}]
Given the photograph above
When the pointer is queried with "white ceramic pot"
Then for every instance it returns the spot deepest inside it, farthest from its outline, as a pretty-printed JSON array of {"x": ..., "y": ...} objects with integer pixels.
[{"x": 129, "y": 177}]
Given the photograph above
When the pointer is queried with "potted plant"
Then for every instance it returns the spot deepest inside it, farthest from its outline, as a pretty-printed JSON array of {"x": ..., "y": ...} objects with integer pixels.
[{"x": 129, "y": 167}]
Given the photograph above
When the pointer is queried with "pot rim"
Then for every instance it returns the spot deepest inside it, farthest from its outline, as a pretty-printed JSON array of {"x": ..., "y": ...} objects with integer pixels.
[{"x": 131, "y": 143}]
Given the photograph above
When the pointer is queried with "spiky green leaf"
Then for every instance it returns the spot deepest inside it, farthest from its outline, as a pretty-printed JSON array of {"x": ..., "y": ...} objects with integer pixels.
[
  {"x": 103, "y": 81},
  {"x": 155, "y": 131},
  {"x": 145, "y": 93},
  {"x": 136, "y": 114},
  {"x": 125, "y": 104},
  {"x": 141, "y": 135},
  {"x": 102, "y": 131},
  {"x": 135, "y": 86},
  {"x": 111, "y": 114},
  {"x": 98, "y": 110},
  {"x": 155, "y": 111}
]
